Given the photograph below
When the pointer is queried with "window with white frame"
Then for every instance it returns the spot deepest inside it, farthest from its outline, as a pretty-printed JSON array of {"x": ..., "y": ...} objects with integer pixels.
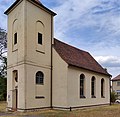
[
  {"x": 102, "y": 88},
  {"x": 82, "y": 86},
  {"x": 39, "y": 78},
  {"x": 118, "y": 92},
  {"x": 118, "y": 83},
  {"x": 93, "y": 87}
]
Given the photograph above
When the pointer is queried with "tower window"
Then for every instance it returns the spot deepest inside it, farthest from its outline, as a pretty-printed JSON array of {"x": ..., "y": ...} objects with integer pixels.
[
  {"x": 39, "y": 78},
  {"x": 39, "y": 38},
  {"x": 15, "y": 75},
  {"x": 15, "y": 38}
]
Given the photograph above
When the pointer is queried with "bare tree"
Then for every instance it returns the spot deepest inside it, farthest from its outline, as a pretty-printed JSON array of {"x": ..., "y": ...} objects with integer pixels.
[
  {"x": 3, "y": 64},
  {"x": 3, "y": 42},
  {"x": 3, "y": 53}
]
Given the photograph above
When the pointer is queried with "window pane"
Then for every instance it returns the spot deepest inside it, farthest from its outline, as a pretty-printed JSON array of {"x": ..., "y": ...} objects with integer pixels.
[
  {"x": 39, "y": 78},
  {"x": 15, "y": 75},
  {"x": 15, "y": 38},
  {"x": 82, "y": 86},
  {"x": 118, "y": 92},
  {"x": 118, "y": 83},
  {"x": 93, "y": 87},
  {"x": 102, "y": 88},
  {"x": 39, "y": 38}
]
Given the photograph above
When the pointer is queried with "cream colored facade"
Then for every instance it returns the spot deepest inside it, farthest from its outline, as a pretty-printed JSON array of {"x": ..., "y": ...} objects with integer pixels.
[
  {"x": 27, "y": 57},
  {"x": 116, "y": 87},
  {"x": 66, "y": 86}
]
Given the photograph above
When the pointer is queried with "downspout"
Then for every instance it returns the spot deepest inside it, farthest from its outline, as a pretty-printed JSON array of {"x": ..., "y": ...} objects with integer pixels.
[
  {"x": 110, "y": 89},
  {"x": 51, "y": 88},
  {"x": 25, "y": 54}
]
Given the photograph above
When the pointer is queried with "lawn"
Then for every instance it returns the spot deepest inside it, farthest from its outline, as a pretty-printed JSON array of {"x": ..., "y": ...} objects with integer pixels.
[{"x": 106, "y": 111}]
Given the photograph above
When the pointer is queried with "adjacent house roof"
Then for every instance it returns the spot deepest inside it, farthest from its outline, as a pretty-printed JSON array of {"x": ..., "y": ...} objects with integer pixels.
[
  {"x": 78, "y": 58},
  {"x": 116, "y": 78},
  {"x": 37, "y": 2}
]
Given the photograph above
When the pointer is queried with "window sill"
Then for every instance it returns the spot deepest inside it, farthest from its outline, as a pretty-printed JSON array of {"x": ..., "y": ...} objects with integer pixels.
[
  {"x": 40, "y": 51},
  {"x": 39, "y": 97},
  {"x": 102, "y": 96},
  {"x": 38, "y": 84},
  {"x": 82, "y": 96},
  {"x": 14, "y": 50},
  {"x": 93, "y": 96}
]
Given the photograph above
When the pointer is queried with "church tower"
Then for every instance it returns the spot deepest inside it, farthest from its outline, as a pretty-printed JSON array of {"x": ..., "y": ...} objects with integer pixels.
[{"x": 29, "y": 70}]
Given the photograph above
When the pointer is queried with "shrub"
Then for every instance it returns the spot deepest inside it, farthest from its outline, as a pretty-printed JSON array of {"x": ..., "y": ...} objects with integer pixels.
[{"x": 113, "y": 96}]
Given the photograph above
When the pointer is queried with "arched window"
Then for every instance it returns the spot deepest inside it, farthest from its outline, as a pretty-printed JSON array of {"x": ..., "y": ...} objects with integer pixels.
[
  {"x": 102, "y": 88},
  {"x": 93, "y": 87},
  {"x": 15, "y": 75},
  {"x": 82, "y": 79},
  {"x": 39, "y": 78},
  {"x": 15, "y": 30},
  {"x": 40, "y": 32}
]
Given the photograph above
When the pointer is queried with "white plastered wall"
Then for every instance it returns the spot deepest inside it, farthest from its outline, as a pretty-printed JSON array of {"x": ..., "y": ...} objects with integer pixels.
[
  {"x": 25, "y": 55},
  {"x": 74, "y": 99},
  {"x": 59, "y": 81},
  {"x": 15, "y": 56},
  {"x": 37, "y": 56},
  {"x": 33, "y": 89}
]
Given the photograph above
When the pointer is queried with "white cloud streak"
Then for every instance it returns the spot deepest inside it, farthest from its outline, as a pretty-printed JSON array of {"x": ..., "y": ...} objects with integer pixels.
[
  {"x": 102, "y": 15},
  {"x": 112, "y": 63},
  {"x": 109, "y": 61}
]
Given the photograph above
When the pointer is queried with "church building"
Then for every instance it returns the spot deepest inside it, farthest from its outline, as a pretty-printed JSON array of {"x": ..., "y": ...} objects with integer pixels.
[{"x": 43, "y": 72}]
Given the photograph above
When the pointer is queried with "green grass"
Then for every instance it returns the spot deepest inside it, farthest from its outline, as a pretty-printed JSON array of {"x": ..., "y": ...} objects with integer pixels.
[
  {"x": 106, "y": 111},
  {"x": 2, "y": 106}
]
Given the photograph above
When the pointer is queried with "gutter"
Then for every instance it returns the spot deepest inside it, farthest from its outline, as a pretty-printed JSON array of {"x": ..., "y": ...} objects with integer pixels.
[
  {"x": 107, "y": 74},
  {"x": 110, "y": 89}
]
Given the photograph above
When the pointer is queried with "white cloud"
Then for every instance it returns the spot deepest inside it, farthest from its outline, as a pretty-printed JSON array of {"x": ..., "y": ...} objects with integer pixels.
[
  {"x": 102, "y": 15},
  {"x": 4, "y": 4},
  {"x": 109, "y": 61},
  {"x": 114, "y": 71},
  {"x": 70, "y": 15},
  {"x": 112, "y": 63}
]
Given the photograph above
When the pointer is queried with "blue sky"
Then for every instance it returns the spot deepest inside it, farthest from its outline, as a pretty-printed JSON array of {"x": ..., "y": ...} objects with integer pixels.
[{"x": 91, "y": 25}]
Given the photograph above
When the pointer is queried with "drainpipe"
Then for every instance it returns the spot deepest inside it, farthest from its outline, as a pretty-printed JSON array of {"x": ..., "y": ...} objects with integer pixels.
[
  {"x": 110, "y": 89},
  {"x": 51, "y": 61}
]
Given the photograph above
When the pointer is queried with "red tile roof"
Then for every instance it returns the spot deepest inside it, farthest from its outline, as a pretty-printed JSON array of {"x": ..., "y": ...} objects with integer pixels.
[
  {"x": 78, "y": 58},
  {"x": 116, "y": 78}
]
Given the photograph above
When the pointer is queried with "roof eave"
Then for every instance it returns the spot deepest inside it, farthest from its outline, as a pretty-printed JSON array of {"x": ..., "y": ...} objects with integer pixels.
[
  {"x": 41, "y": 5},
  {"x": 12, "y": 7},
  {"x": 115, "y": 80},
  {"x": 33, "y": 1},
  {"x": 107, "y": 74}
]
